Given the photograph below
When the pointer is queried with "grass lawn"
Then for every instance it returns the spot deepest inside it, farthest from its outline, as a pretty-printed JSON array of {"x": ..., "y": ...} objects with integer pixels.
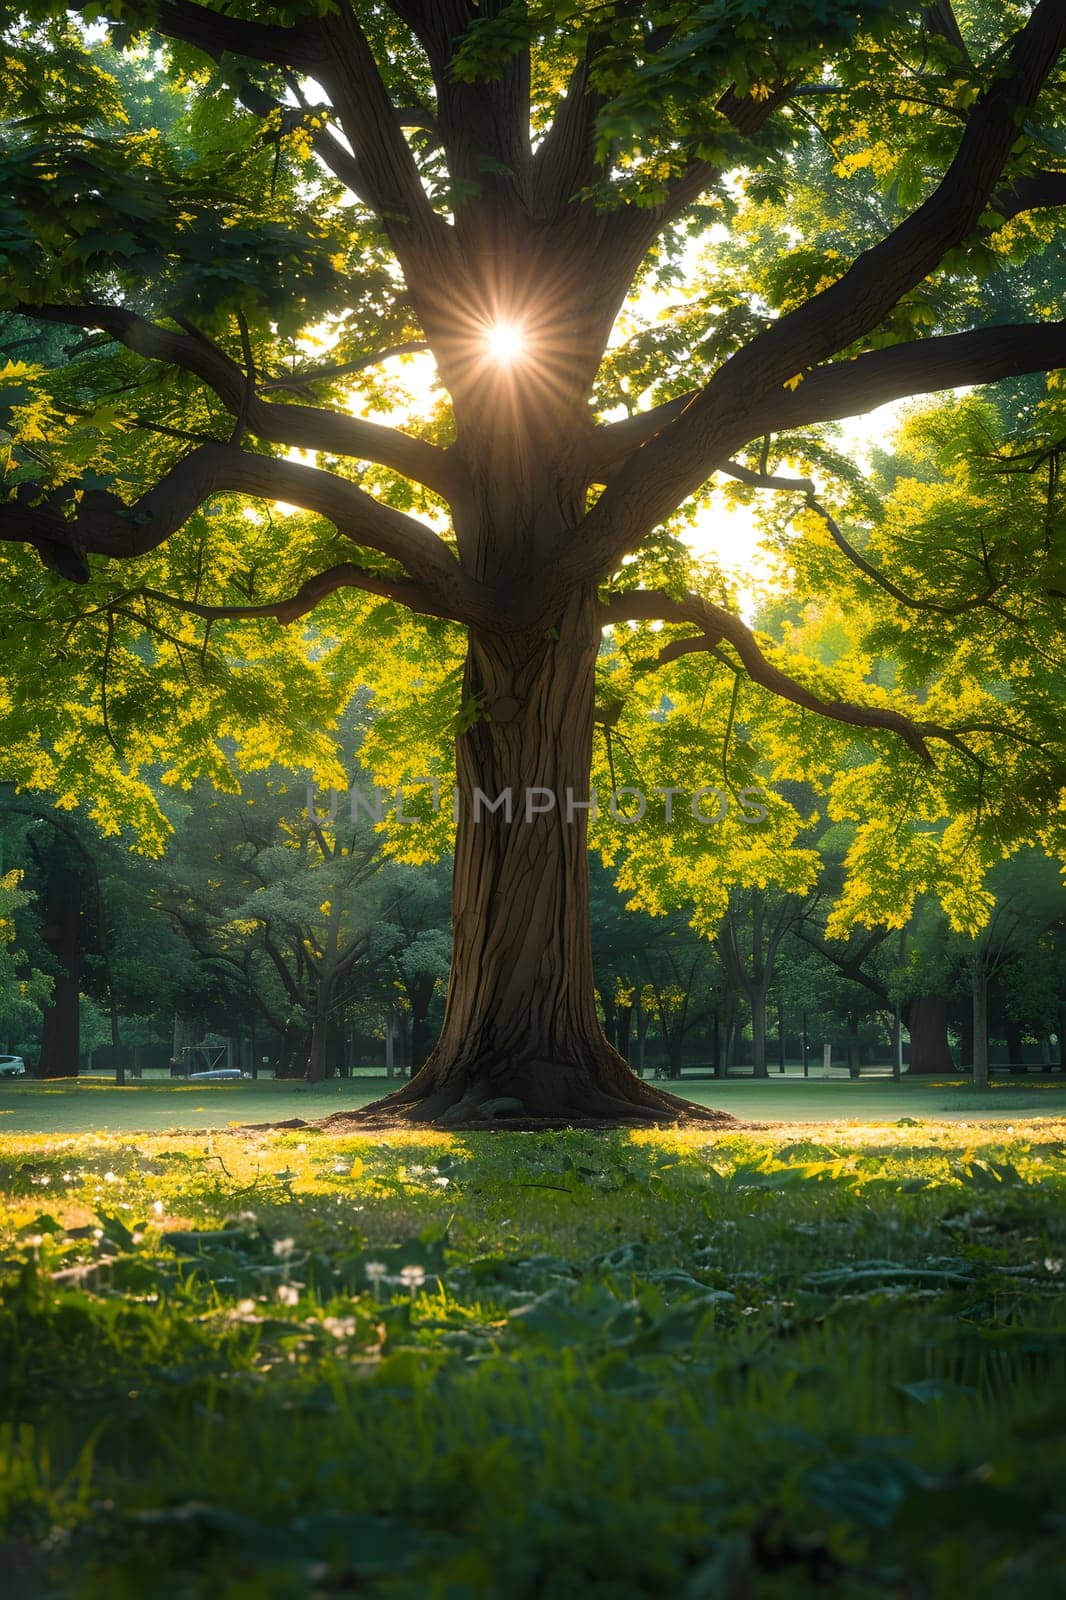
[
  {"x": 157, "y": 1104},
  {"x": 808, "y": 1360}
]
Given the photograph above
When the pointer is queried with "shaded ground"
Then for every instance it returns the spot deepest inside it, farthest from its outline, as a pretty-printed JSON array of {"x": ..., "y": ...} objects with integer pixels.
[
  {"x": 87, "y": 1104},
  {"x": 791, "y": 1363}
]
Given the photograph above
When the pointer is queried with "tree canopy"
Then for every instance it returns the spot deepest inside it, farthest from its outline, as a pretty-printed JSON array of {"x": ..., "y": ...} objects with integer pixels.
[{"x": 643, "y": 246}]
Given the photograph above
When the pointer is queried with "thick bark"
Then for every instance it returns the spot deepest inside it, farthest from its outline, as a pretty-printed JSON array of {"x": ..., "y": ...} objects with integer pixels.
[
  {"x": 521, "y": 1038},
  {"x": 926, "y": 1017}
]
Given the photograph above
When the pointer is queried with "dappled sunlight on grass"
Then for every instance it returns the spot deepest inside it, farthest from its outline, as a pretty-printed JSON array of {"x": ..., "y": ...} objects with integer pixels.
[{"x": 430, "y": 1364}]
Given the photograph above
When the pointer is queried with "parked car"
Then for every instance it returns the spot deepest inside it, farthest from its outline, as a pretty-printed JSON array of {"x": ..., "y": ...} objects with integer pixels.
[
  {"x": 12, "y": 1067},
  {"x": 217, "y": 1074}
]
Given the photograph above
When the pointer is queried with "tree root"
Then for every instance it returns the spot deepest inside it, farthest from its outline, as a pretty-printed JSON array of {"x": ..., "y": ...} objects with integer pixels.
[{"x": 530, "y": 1095}]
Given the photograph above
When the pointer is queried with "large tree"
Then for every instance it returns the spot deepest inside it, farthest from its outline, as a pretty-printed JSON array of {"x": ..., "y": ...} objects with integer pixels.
[{"x": 490, "y": 181}]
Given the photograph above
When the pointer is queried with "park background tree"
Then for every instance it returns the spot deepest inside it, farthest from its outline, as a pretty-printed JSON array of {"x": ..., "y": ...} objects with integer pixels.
[{"x": 494, "y": 183}]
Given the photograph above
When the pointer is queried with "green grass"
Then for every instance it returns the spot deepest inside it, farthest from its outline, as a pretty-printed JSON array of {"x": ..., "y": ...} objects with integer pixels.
[
  {"x": 76, "y": 1104},
  {"x": 801, "y": 1361}
]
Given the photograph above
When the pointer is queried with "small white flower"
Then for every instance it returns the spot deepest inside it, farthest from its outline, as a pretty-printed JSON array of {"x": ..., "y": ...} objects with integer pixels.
[
  {"x": 287, "y": 1294},
  {"x": 1054, "y": 1267},
  {"x": 375, "y": 1270},
  {"x": 341, "y": 1167},
  {"x": 339, "y": 1327},
  {"x": 412, "y": 1277},
  {"x": 110, "y": 1177},
  {"x": 245, "y": 1308},
  {"x": 284, "y": 1247},
  {"x": 158, "y": 1207},
  {"x": 442, "y": 1182}
]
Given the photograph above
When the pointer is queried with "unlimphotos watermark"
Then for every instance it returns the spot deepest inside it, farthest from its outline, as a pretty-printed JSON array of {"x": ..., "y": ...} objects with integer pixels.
[{"x": 707, "y": 805}]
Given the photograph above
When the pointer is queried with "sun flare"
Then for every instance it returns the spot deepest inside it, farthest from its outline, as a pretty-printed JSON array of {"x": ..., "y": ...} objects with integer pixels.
[{"x": 506, "y": 343}]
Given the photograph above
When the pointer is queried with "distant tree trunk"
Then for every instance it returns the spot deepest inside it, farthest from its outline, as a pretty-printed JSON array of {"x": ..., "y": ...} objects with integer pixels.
[
  {"x": 610, "y": 1016},
  {"x": 320, "y": 1061},
  {"x": 980, "y": 1027},
  {"x": 853, "y": 1048},
  {"x": 757, "y": 1001},
  {"x": 926, "y": 1017},
  {"x": 61, "y": 932},
  {"x": 625, "y": 1025},
  {"x": 116, "y": 1040},
  {"x": 780, "y": 1037},
  {"x": 729, "y": 1037},
  {"x": 966, "y": 1037},
  {"x": 642, "y": 1035},
  {"x": 1013, "y": 1035},
  {"x": 295, "y": 1049}
]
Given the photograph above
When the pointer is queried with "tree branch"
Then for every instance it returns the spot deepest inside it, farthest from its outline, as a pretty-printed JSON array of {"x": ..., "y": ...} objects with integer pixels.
[
  {"x": 940, "y": 21},
  {"x": 298, "y": 46},
  {"x": 920, "y": 366},
  {"x": 306, "y": 427},
  {"x": 944, "y": 608},
  {"x": 1037, "y": 191},
  {"x": 483, "y": 126},
  {"x": 345, "y": 575},
  {"x": 614, "y": 442},
  {"x": 718, "y": 625},
  {"x": 838, "y": 389},
  {"x": 388, "y": 172},
  {"x": 300, "y": 380},
  {"x": 763, "y": 480},
  {"x": 104, "y": 525},
  {"x": 736, "y": 399}
]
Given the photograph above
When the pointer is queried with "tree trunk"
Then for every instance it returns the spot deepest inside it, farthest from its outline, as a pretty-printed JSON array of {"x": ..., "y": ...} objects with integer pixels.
[
  {"x": 295, "y": 1051},
  {"x": 1014, "y": 1034},
  {"x": 521, "y": 1037},
  {"x": 625, "y": 1022},
  {"x": 926, "y": 1017},
  {"x": 318, "y": 1062},
  {"x": 980, "y": 1027},
  {"x": 757, "y": 1001},
  {"x": 60, "y": 1034},
  {"x": 642, "y": 1036},
  {"x": 610, "y": 1016},
  {"x": 966, "y": 1037}
]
